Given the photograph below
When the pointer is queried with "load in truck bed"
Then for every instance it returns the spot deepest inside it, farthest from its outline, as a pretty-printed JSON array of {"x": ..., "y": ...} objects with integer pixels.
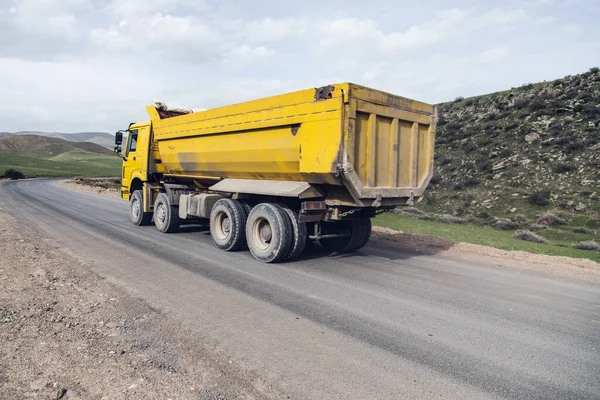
[{"x": 356, "y": 145}]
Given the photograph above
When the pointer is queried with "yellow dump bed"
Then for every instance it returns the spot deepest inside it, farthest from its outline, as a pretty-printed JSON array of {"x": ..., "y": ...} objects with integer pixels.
[{"x": 376, "y": 146}]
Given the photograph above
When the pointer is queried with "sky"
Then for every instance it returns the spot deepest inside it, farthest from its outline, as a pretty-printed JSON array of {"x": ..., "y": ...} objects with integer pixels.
[{"x": 93, "y": 65}]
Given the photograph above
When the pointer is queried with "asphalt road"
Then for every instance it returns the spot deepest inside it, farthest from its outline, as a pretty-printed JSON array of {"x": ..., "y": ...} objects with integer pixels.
[{"x": 375, "y": 325}]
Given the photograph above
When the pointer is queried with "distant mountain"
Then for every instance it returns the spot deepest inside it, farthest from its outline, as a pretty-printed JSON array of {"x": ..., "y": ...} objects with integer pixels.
[
  {"x": 48, "y": 147},
  {"x": 102, "y": 138}
]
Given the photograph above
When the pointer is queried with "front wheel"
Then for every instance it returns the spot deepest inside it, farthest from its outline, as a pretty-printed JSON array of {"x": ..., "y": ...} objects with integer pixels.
[
  {"x": 136, "y": 209},
  {"x": 166, "y": 216}
]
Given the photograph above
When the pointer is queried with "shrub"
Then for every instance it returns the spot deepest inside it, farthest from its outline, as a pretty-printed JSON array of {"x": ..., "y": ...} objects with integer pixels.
[
  {"x": 408, "y": 211},
  {"x": 436, "y": 178},
  {"x": 505, "y": 225},
  {"x": 444, "y": 218},
  {"x": 594, "y": 70},
  {"x": 593, "y": 223},
  {"x": 529, "y": 237},
  {"x": 12, "y": 173},
  {"x": 589, "y": 245},
  {"x": 538, "y": 227},
  {"x": 505, "y": 153},
  {"x": 485, "y": 164},
  {"x": 459, "y": 99},
  {"x": 469, "y": 183},
  {"x": 540, "y": 198},
  {"x": 520, "y": 219},
  {"x": 583, "y": 230},
  {"x": 562, "y": 168},
  {"x": 537, "y": 105},
  {"x": 483, "y": 141},
  {"x": 550, "y": 220}
]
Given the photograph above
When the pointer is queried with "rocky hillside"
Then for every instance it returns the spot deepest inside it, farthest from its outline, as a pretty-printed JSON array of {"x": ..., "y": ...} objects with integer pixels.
[{"x": 523, "y": 151}]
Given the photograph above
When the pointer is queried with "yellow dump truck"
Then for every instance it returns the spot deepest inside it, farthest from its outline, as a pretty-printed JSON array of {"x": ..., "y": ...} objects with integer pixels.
[{"x": 271, "y": 174}]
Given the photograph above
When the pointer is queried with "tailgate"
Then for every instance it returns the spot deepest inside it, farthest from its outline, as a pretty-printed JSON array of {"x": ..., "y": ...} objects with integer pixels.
[{"x": 390, "y": 143}]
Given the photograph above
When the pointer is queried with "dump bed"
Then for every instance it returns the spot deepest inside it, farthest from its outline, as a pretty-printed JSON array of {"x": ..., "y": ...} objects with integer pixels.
[{"x": 376, "y": 146}]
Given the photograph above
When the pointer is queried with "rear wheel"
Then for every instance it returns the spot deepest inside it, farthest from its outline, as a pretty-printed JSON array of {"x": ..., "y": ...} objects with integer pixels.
[
  {"x": 136, "y": 209},
  {"x": 269, "y": 233},
  {"x": 300, "y": 235},
  {"x": 359, "y": 230},
  {"x": 166, "y": 216},
  {"x": 228, "y": 225}
]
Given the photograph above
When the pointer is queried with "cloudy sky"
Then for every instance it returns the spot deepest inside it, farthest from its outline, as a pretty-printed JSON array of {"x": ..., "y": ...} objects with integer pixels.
[{"x": 93, "y": 65}]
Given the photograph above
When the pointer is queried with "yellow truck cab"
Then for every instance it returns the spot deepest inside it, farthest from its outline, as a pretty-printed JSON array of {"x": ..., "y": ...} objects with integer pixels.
[{"x": 273, "y": 173}]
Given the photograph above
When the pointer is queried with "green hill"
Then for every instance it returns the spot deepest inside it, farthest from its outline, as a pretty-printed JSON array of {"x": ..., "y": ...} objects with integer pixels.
[
  {"x": 523, "y": 159},
  {"x": 39, "y": 156}
]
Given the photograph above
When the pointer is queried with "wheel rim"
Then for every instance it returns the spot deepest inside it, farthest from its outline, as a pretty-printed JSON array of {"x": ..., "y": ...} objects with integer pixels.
[
  {"x": 135, "y": 208},
  {"x": 223, "y": 225},
  {"x": 262, "y": 234},
  {"x": 161, "y": 213}
]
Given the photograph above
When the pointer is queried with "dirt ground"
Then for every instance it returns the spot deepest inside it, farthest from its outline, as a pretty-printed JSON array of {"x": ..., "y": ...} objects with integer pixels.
[
  {"x": 562, "y": 267},
  {"x": 67, "y": 333}
]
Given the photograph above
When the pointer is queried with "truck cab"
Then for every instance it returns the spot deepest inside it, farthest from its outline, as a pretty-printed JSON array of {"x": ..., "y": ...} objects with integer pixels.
[{"x": 136, "y": 156}]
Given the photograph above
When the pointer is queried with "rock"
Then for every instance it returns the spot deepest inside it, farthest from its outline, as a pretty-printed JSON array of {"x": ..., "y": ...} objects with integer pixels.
[
  {"x": 580, "y": 207},
  {"x": 532, "y": 137},
  {"x": 39, "y": 384}
]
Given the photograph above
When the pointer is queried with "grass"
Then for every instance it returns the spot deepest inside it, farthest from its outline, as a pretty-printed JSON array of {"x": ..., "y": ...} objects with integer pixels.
[
  {"x": 483, "y": 235},
  {"x": 67, "y": 166}
]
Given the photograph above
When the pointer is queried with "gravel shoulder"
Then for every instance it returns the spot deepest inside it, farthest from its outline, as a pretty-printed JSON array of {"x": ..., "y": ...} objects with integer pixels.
[
  {"x": 562, "y": 267},
  {"x": 65, "y": 332}
]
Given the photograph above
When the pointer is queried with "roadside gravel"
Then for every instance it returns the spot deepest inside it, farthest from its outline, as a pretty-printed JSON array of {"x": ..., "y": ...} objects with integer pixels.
[{"x": 65, "y": 332}]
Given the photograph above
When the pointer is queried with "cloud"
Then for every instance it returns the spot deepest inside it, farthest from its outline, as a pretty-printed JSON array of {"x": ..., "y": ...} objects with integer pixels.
[
  {"x": 187, "y": 38},
  {"x": 270, "y": 30},
  {"x": 446, "y": 25},
  {"x": 545, "y": 20},
  {"x": 573, "y": 29},
  {"x": 41, "y": 29},
  {"x": 494, "y": 54}
]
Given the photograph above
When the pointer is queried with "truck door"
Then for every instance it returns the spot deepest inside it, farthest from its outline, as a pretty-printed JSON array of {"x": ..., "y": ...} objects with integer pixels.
[{"x": 136, "y": 155}]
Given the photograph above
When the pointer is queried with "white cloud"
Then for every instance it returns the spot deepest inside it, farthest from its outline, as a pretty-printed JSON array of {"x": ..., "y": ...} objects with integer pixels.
[
  {"x": 573, "y": 29},
  {"x": 269, "y": 29},
  {"x": 494, "y": 54},
  {"x": 445, "y": 26},
  {"x": 545, "y": 20},
  {"x": 164, "y": 35}
]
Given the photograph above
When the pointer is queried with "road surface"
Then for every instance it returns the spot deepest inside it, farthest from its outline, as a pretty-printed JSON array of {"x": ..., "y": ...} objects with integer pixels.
[{"x": 378, "y": 324}]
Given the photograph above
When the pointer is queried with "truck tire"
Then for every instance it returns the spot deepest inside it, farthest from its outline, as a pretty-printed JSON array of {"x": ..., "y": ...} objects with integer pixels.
[
  {"x": 360, "y": 233},
  {"x": 300, "y": 235},
  {"x": 269, "y": 233},
  {"x": 136, "y": 209},
  {"x": 228, "y": 225},
  {"x": 166, "y": 216}
]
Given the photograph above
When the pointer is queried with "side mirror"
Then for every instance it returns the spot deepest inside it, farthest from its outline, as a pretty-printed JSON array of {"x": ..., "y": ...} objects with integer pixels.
[
  {"x": 119, "y": 138},
  {"x": 117, "y": 150}
]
